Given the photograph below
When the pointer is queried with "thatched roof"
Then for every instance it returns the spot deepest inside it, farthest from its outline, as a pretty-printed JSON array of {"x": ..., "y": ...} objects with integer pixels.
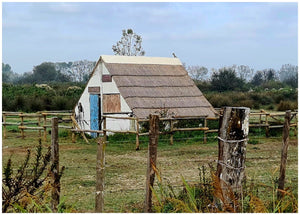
[{"x": 149, "y": 85}]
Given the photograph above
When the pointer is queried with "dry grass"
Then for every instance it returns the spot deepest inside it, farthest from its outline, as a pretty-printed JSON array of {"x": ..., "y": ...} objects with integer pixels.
[{"x": 126, "y": 168}]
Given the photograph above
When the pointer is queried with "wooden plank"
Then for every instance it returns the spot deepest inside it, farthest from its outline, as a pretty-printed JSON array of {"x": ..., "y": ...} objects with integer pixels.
[
  {"x": 77, "y": 126},
  {"x": 55, "y": 185},
  {"x": 30, "y": 128},
  {"x": 100, "y": 171},
  {"x": 120, "y": 117},
  {"x": 29, "y": 115},
  {"x": 259, "y": 125},
  {"x": 151, "y": 163},
  {"x": 111, "y": 103},
  {"x": 85, "y": 130},
  {"x": 284, "y": 151},
  {"x": 212, "y": 118},
  {"x": 190, "y": 117},
  {"x": 57, "y": 114},
  {"x": 122, "y": 132},
  {"x": 10, "y": 123},
  {"x": 191, "y": 129},
  {"x": 144, "y": 134},
  {"x": 212, "y": 131},
  {"x": 94, "y": 90}
]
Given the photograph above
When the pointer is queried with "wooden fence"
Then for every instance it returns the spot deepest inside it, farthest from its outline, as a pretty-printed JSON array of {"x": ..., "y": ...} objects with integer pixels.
[{"x": 261, "y": 119}]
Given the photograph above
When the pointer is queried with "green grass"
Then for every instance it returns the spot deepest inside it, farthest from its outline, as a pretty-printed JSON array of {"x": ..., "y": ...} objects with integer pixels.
[{"x": 126, "y": 168}]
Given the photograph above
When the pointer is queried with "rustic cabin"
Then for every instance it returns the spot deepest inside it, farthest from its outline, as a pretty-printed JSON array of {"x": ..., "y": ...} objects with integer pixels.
[{"x": 138, "y": 86}]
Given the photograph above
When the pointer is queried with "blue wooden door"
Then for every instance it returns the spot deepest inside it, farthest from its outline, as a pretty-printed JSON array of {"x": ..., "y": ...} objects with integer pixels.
[{"x": 95, "y": 113}]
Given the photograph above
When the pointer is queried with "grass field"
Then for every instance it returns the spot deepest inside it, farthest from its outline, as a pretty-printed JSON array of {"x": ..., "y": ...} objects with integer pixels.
[{"x": 126, "y": 168}]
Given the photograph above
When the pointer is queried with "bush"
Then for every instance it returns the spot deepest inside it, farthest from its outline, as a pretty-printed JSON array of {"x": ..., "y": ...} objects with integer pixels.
[
  {"x": 220, "y": 100},
  {"x": 287, "y": 105}
]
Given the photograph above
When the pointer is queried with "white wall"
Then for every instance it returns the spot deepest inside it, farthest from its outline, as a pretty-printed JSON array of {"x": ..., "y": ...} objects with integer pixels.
[{"x": 105, "y": 88}]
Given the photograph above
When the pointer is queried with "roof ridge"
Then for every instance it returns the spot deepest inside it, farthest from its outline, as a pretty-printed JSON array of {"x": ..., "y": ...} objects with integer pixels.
[{"x": 139, "y": 60}]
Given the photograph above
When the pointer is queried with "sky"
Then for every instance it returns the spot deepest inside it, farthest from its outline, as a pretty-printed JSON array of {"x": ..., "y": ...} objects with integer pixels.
[{"x": 214, "y": 35}]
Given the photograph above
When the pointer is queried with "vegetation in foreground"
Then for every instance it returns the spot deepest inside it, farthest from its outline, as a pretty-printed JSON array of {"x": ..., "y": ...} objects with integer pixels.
[{"x": 126, "y": 168}]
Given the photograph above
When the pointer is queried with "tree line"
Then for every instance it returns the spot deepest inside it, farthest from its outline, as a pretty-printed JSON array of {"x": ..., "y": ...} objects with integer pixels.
[
  {"x": 243, "y": 78},
  {"x": 49, "y": 72},
  {"x": 240, "y": 78}
]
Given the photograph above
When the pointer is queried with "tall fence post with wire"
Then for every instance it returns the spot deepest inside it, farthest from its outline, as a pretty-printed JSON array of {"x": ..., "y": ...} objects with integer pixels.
[{"x": 233, "y": 137}]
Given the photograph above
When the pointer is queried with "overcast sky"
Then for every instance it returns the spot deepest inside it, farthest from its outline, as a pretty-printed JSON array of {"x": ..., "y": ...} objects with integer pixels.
[{"x": 260, "y": 35}]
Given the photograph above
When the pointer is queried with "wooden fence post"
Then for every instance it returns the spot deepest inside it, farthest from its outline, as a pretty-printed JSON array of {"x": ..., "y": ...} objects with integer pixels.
[
  {"x": 296, "y": 127},
  {"x": 55, "y": 163},
  {"x": 104, "y": 129},
  {"x": 22, "y": 124},
  {"x": 233, "y": 137},
  {"x": 137, "y": 137},
  {"x": 73, "y": 133},
  {"x": 45, "y": 128},
  {"x": 152, "y": 155},
  {"x": 285, "y": 145},
  {"x": 267, "y": 126},
  {"x": 172, "y": 133},
  {"x": 204, "y": 135},
  {"x": 39, "y": 124},
  {"x": 4, "y": 125},
  {"x": 100, "y": 166}
]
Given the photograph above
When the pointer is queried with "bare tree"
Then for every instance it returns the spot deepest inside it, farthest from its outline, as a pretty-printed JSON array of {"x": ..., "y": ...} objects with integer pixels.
[
  {"x": 129, "y": 45},
  {"x": 288, "y": 71},
  {"x": 244, "y": 72},
  {"x": 197, "y": 72}
]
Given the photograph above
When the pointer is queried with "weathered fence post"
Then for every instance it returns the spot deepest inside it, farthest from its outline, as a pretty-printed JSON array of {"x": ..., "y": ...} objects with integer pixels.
[
  {"x": 55, "y": 164},
  {"x": 152, "y": 155},
  {"x": 45, "y": 128},
  {"x": 285, "y": 145},
  {"x": 39, "y": 124},
  {"x": 100, "y": 166},
  {"x": 171, "y": 132},
  {"x": 73, "y": 132},
  {"x": 22, "y": 124},
  {"x": 137, "y": 137},
  {"x": 233, "y": 136},
  {"x": 204, "y": 135},
  {"x": 4, "y": 125},
  {"x": 104, "y": 129},
  {"x": 267, "y": 126}
]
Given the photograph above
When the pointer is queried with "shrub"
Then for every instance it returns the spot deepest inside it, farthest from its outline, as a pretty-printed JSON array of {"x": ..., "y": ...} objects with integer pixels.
[
  {"x": 287, "y": 105},
  {"x": 220, "y": 100}
]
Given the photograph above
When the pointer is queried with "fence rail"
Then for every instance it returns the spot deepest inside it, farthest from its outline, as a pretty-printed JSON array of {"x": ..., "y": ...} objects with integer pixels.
[{"x": 260, "y": 119}]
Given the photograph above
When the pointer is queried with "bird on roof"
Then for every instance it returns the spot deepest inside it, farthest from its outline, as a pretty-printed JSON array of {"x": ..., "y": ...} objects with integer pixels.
[{"x": 174, "y": 55}]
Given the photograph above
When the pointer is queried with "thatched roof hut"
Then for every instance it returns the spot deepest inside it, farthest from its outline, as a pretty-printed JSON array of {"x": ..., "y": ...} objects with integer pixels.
[{"x": 144, "y": 85}]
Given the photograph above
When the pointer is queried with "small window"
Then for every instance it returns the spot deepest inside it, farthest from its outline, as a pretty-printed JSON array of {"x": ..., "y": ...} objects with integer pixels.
[
  {"x": 106, "y": 78},
  {"x": 111, "y": 103},
  {"x": 94, "y": 90}
]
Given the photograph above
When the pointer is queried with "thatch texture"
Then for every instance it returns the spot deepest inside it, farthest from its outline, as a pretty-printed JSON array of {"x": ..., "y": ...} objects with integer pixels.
[{"x": 151, "y": 88}]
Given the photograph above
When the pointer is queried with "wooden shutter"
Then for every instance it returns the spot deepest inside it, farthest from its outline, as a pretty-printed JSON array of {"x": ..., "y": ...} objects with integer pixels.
[{"x": 111, "y": 103}]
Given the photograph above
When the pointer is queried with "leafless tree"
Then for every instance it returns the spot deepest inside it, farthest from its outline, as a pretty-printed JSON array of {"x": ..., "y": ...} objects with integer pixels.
[
  {"x": 197, "y": 72},
  {"x": 129, "y": 45}
]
